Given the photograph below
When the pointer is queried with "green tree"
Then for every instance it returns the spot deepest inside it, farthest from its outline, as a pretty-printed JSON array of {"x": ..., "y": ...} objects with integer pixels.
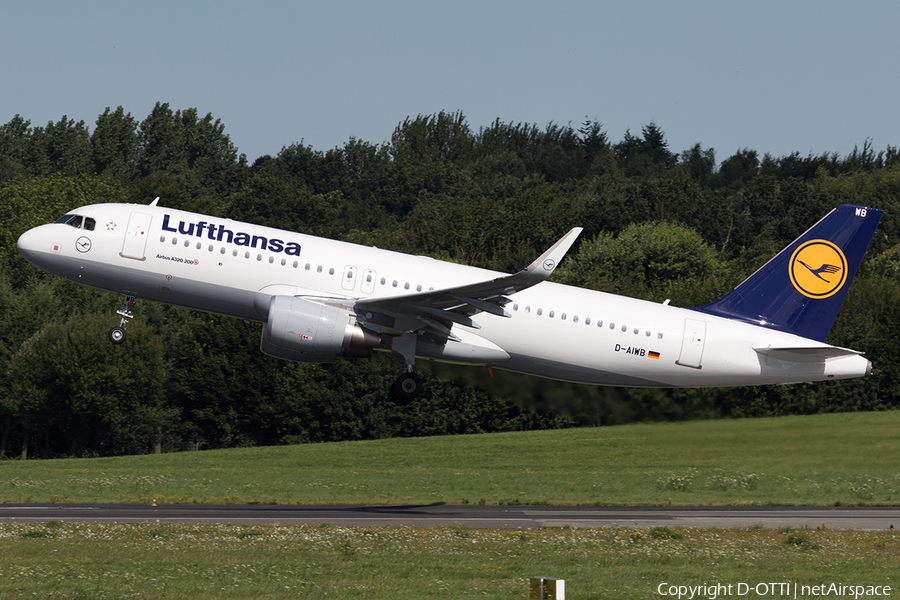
[
  {"x": 444, "y": 136},
  {"x": 593, "y": 139},
  {"x": 286, "y": 203},
  {"x": 648, "y": 155},
  {"x": 743, "y": 165},
  {"x": 79, "y": 392},
  {"x": 116, "y": 145},
  {"x": 15, "y": 140},
  {"x": 62, "y": 148},
  {"x": 650, "y": 261},
  {"x": 700, "y": 163},
  {"x": 194, "y": 152}
]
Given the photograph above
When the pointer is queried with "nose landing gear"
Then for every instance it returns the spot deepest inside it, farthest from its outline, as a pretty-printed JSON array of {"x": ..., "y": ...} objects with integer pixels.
[{"x": 117, "y": 334}]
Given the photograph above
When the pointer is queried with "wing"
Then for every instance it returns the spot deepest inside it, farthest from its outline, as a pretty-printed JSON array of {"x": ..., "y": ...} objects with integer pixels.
[{"x": 437, "y": 311}]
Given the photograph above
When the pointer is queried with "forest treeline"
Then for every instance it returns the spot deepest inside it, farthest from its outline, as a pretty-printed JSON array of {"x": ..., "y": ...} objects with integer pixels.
[{"x": 659, "y": 224}]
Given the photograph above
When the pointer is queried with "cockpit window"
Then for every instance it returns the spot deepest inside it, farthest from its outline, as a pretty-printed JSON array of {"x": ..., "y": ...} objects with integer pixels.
[
  {"x": 73, "y": 220},
  {"x": 77, "y": 221}
]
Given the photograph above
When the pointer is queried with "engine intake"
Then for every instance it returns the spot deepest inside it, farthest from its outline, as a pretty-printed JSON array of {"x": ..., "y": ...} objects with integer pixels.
[{"x": 304, "y": 331}]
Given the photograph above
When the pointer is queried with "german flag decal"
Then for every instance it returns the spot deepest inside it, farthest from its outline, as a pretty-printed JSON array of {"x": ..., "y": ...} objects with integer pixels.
[{"x": 653, "y": 354}]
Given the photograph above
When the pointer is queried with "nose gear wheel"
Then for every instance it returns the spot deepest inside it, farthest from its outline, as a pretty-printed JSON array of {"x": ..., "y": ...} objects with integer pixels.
[{"x": 117, "y": 333}]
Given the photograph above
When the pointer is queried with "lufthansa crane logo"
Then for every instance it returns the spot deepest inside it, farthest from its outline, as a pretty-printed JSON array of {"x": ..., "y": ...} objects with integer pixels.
[
  {"x": 83, "y": 244},
  {"x": 818, "y": 269}
]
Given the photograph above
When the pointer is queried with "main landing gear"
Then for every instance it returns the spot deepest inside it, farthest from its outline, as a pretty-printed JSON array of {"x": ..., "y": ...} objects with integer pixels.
[
  {"x": 117, "y": 334},
  {"x": 408, "y": 386}
]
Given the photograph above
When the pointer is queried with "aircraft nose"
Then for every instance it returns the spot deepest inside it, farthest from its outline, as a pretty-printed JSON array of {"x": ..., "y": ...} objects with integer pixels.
[
  {"x": 31, "y": 244},
  {"x": 28, "y": 241}
]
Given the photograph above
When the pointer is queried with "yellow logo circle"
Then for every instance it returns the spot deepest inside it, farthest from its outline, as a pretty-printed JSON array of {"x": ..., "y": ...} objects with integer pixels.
[{"x": 818, "y": 269}]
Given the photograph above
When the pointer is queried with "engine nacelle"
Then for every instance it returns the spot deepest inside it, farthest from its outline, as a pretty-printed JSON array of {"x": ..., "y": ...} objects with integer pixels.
[{"x": 305, "y": 331}]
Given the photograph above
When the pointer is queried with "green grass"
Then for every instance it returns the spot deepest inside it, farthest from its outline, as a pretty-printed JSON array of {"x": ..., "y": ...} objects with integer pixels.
[
  {"x": 226, "y": 561},
  {"x": 825, "y": 459},
  {"x": 848, "y": 459}
]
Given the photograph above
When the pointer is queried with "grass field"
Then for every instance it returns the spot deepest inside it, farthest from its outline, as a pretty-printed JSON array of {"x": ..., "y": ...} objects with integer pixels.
[
  {"x": 57, "y": 560},
  {"x": 846, "y": 459}
]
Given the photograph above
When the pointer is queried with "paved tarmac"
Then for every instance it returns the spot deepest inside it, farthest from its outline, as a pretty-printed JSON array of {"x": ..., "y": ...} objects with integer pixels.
[{"x": 475, "y": 517}]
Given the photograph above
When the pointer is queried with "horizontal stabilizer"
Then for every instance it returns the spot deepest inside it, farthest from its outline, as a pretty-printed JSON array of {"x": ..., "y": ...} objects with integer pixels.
[{"x": 817, "y": 354}]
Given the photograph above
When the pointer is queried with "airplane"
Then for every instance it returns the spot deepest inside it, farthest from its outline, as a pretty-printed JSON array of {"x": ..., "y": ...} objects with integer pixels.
[{"x": 320, "y": 299}]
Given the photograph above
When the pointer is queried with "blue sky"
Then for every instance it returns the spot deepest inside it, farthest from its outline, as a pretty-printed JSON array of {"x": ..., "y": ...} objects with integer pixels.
[{"x": 775, "y": 77}]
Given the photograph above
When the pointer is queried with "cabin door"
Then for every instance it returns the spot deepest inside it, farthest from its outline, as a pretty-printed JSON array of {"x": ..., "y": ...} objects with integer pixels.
[
  {"x": 136, "y": 236},
  {"x": 692, "y": 343}
]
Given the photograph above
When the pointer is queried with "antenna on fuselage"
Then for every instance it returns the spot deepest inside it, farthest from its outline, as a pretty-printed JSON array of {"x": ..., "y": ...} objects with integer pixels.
[{"x": 154, "y": 201}]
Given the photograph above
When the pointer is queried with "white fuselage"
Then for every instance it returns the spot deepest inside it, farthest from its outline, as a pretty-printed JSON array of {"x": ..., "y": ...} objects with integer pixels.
[{"x": 553, "y": 331}]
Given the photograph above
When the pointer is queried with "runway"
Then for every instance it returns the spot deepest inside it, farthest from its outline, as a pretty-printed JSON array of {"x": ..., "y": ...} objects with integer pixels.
[{"x": 474, "y": 517}]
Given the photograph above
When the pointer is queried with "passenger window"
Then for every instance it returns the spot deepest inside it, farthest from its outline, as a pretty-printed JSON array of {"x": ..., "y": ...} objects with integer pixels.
[
  {"x": 515, "y": 307},
  {"x": 563, "y": 317},
  {"x": 636, "y": 331},
  {"x": 659, "y": 336},
  {"x": 246, "y": 255},
  {"x": 624, "y": 327},
  {"x": 648, "y": 333},
  {"x": 319, "y": 269},
  {"x": 600, "y": 323},
  {"x": 283, "y": 261},
  {"x": 234, "y": 252},
  {"x": 527, "y": 309},
  {"x": 418, "y": 288},
  {"x": 331, "y": 271},
  {"x": 612, "y": 325},
  {"x": 174, "y": 241},
  {"x": 406, "y": 286},
  {"x": 296, "y": 264},
  {"x": 551, "y": 314},
  {"x": 540, "y": 311},
  {"x": 587, "y": 321},
  {"x": 199, "y": 245},
  {"x": 395, "y": 283},
  {"x": 187, "y": 243},
  {"x": 271, "y": 259},
  {"x": 162, "y": 238}
]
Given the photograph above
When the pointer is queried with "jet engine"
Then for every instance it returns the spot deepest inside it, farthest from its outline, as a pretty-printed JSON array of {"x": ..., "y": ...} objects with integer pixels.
[{"x": 304, "y": 331}]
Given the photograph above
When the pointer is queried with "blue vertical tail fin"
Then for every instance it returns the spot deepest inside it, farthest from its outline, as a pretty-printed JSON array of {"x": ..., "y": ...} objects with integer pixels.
[{"x": 801, "y": 290}]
